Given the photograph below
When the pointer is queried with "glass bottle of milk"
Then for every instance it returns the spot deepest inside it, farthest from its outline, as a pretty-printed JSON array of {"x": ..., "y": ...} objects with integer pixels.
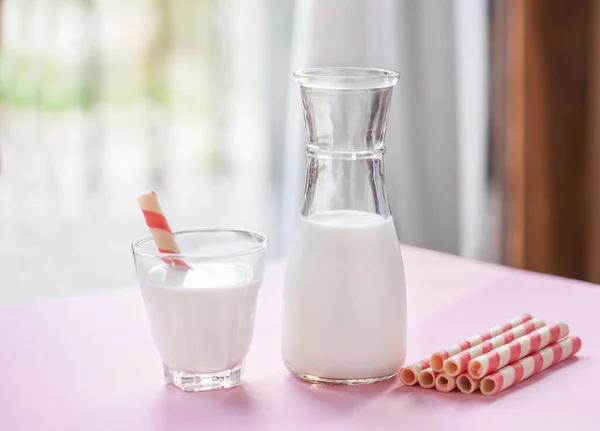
[{"x": 344, "y": 308}]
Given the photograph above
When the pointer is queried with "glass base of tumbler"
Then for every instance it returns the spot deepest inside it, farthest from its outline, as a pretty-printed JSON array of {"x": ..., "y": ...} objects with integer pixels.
[
  {"x": 323, "y": 380},
  {"x": 195, "y": 382}
]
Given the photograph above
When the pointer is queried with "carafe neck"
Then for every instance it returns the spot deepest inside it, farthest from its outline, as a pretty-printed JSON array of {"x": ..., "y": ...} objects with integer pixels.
[
  {"x": 345, "y": 121},
  {"x": 342, "y": 183},
  {"x": 345, "y": 114}
]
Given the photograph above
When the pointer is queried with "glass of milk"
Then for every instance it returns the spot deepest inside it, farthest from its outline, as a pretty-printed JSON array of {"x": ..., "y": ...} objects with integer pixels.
[
  {"x": 344, "y": 307},
  {"x": 202, "y": 316}
]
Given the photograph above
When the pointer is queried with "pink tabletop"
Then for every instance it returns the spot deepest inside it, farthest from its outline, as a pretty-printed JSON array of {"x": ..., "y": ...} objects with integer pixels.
[{"x": 88, "y": 363}]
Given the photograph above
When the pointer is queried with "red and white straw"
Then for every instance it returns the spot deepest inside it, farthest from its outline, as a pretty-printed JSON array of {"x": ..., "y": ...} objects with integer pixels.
[
  {"x": 438, "y": 358},
  {"x": 409, "y": 375},
  {"x": 159, "y": 227},
  {"x": 458, "y": 364},
  {"x": 517, "y": 349},
  {"x": 530, "y": 365}
]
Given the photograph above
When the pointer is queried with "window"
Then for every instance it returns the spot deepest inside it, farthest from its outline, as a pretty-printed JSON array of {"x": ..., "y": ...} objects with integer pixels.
[{"x": 103, "y": 100}]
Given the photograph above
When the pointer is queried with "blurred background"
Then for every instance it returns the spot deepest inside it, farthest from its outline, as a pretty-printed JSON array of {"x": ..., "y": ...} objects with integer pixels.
[{"x": 493, "y": 137}]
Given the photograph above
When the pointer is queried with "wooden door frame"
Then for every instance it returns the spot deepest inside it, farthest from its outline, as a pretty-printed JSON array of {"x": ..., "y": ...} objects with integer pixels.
[{"x": 542, "y": 132}]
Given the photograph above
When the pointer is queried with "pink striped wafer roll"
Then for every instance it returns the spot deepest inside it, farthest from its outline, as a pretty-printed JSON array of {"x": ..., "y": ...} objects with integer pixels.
[
  {"x": 444, "y": 383},
  {"x": 458, "y": 364},
  {"x": 409, "y": 375},
  {"x": 427, "y": 378},
  {"x": 437, "y": 359},
  {"x": 467, "y": 384},
  {"x": 530, "y": 365},
  {"x": 498, "y": 358},
  {"x": 159, "y": 227}
]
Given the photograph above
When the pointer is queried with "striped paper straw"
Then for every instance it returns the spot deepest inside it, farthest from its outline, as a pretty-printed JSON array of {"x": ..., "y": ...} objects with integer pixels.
[
  {"x": 427, "y": 378},
  {"x": 467, "y": 384},
  {"x": 517, "y": 349},
  {"x": 530, "y": 365},
  {"x": 409, "y": 375},
  {"x": 437, "y": 359},
  {"x": 458, "y": 364},
  {"x": 445, "y": 383},
  {"x": 159, "y": 227}
]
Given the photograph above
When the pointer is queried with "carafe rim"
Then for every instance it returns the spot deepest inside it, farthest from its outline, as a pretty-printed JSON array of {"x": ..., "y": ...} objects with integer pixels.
[{"x": 346, "y": 78}]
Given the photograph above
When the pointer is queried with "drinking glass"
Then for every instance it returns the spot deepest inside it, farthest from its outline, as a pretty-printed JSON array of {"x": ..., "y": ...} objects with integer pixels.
[{"x": 201, "y": 303}]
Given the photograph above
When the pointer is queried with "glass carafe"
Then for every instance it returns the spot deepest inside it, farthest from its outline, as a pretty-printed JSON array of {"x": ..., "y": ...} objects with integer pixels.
[{"x": 344, "y": 310}]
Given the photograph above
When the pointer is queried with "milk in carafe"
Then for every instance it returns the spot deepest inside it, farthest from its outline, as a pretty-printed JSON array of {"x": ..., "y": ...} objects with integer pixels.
[{"x": 345, "y": 306}]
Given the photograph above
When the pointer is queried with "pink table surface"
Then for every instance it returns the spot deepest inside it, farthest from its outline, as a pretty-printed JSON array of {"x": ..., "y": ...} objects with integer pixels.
[{"x": 88, "y": 363}]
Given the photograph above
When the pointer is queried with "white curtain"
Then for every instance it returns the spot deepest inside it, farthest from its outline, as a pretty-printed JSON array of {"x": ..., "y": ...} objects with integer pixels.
[{"x": 436, "y": 140}]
